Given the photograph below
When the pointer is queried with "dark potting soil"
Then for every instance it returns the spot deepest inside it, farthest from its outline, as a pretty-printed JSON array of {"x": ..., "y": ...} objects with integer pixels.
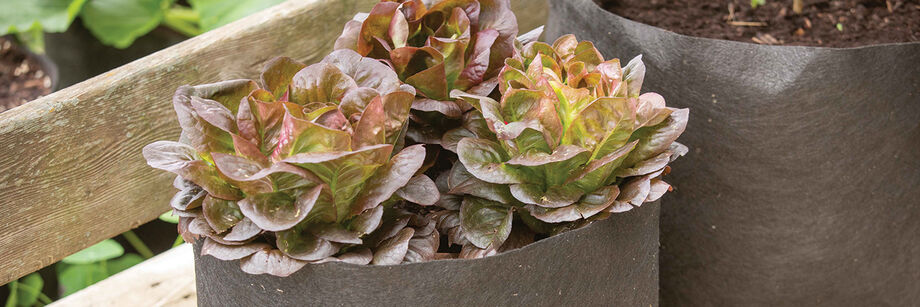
[
  {"x": 22, "y": 78},
  {"x": 824, "y": 23}
]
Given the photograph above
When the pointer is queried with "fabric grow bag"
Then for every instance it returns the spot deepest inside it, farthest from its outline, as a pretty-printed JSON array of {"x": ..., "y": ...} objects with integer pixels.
[
  {"x": 610, "y": 262},
  {"x": 802, "y": 185}
]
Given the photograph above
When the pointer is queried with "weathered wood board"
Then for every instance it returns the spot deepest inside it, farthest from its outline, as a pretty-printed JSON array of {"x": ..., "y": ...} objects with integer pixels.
[
  {"x": 71, "y": 171},
  {"x": 165, "y": 280}
]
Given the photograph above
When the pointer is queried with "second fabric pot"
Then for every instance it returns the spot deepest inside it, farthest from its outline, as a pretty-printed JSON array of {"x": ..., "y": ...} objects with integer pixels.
[{"x": 800, "y": 187}]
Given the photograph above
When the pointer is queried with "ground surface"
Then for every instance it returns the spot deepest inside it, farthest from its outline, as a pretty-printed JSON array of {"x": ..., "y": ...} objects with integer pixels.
[
  {"x": 825, "y": 23},
  {"x": 22, "y": 79}
]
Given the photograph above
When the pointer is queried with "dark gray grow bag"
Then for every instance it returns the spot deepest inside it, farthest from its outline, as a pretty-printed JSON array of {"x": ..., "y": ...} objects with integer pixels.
[
  {"x": 802, "y": 185},
  {"x": 610, "y": 262}
]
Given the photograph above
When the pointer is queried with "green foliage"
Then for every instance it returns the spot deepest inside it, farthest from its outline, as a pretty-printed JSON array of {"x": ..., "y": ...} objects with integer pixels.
[
  {"x": 216, "y": 13},
  {"x": 27, "y": 291},
  {"x": 169, "y": 217},
  {"x": 123, "y": 263},
  {"x": 137, "y": 244},
  {"x": 51, "y": 15},
  {"x": 756, "y": 3},
  {"x": 105, "y": 250},
  {"x": 92, "y": 265},
  {"x": 74, "y": 273},
  {"x": 28, "y": 19},
  {"x": 73, "y": 278},
  {"x": 119, "y": 22}
]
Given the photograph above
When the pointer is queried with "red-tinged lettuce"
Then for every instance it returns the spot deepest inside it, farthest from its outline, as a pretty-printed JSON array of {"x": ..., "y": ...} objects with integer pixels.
[
  {"x": 403, "y": 237},
  {"x": 570, "y": 141},
  {"x": 477, "y": 215},
  {"x": 297, "y": 168},
  {"x": 437, "y": 47}
]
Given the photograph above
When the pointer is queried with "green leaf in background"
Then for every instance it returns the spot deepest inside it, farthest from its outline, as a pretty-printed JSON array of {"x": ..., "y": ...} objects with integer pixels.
[
  {"x": 28, "y": 289},
  {"x": 13, "y": 299},
  {"x": 30, "y": 19},
  {"x": 50, "y": 15},
  {"x": 105, "y": 250},
  {"x": 120, "y": 22},
  {"x": 183, "y": 20},
  {"x": 73, "y": 278},
  {"x": 169, "y": 217},
  {"x": 123, "y": 263},
  {"x": 34, "y": 39},
  {"x": 215, "y": 13}
]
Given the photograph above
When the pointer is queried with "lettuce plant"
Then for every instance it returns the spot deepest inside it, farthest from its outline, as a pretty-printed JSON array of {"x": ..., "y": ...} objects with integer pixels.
[
  {"x": 437, "y": 48},
  {"x": 572, "y": 140},
  {"x": 311, "y": 164},
  {"x": 300, "y": 167}
]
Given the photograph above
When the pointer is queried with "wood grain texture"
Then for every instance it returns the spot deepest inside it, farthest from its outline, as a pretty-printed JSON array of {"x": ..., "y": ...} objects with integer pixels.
[
  {"x": 165, "y": 280},
  {"x": 71, "y": 170}
]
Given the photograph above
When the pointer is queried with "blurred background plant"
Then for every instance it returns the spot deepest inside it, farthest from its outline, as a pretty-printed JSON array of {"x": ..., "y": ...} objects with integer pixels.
[
  {"x": 118, "y": 23},
  {"x": 74, "y": 40},
  {"x": 27, "y": 291}
]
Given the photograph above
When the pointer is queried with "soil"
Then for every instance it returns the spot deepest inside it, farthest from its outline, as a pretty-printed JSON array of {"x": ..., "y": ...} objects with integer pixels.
[
  {"x": 824, "y": 23},
  {"x": 22, "y": 78}
]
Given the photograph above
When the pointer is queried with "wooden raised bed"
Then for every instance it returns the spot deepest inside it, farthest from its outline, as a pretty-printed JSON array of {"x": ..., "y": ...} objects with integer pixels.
[{"x": 71, "y": 170}]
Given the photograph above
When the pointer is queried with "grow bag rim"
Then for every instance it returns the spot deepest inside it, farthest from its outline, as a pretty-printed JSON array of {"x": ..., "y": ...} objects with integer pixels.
[
  {"x": 730, "y": 42},
  {"x": 526, "y": 248}
]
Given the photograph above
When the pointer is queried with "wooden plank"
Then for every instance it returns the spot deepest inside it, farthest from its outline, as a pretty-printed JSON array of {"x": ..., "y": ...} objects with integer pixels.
[
  {"x": 165, "y": 280},
  {"x": 71, "y": 172}
]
